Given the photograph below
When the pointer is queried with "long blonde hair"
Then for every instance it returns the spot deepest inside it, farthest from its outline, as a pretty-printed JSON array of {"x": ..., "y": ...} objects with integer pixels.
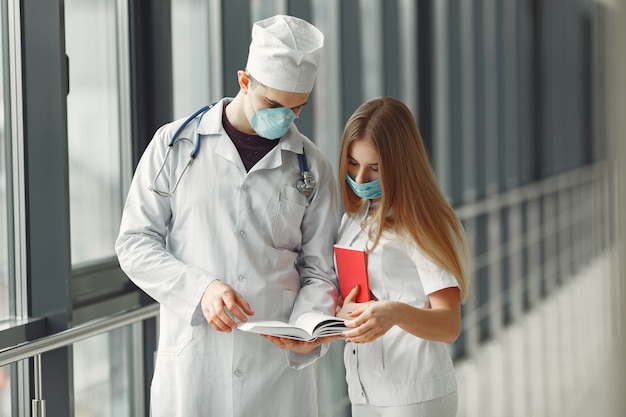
[{"x": 412, "y": 203}]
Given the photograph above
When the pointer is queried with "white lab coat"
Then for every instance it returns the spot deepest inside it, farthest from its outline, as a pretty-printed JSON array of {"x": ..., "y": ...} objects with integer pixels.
[{"x": 253, "y": 230}]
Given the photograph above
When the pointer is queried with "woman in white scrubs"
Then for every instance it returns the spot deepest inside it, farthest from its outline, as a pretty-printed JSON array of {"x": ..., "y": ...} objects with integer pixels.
[{"x": 396, "y": 356}]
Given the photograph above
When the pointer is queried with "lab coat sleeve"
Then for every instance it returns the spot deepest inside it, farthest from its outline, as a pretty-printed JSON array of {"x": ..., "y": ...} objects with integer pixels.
[
  {"x": 299, "y": 361},
  {"x": 318, "y": 280},
  {"x": 433, "y": 277},
  {"x": 141, "y": 243}
]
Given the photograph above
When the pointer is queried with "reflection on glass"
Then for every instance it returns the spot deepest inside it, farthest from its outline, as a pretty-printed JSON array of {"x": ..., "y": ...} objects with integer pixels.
[
  {"x": 4, "y": 200},
  {"x": 93, "y": 117},
  {"x": 191, "y": 49},
  {"x": 5, "y": 391},
  {"x": 103, "y": 375}
]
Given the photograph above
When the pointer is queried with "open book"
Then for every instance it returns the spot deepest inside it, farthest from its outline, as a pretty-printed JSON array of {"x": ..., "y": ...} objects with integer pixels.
[
  {"x": 307, "y": 327},
  {"x": 351, "y": 267}
]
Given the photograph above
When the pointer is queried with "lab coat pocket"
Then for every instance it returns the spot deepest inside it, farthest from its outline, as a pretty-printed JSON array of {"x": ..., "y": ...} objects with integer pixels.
[
  {"x": 286, "y": 228},
  {"x": 174, "y": 336}
]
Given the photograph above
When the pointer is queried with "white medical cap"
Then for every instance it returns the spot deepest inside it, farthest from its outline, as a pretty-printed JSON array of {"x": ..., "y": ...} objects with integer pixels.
[{"x": 285, "y": 53}]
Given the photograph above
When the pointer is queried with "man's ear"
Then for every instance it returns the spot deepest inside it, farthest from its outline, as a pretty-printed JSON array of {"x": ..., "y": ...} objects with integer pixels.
[{"x": 244, "y": 79}]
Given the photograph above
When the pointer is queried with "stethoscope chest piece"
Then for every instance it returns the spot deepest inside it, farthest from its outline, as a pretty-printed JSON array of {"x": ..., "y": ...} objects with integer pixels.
[{"x": 306, "y": 184}]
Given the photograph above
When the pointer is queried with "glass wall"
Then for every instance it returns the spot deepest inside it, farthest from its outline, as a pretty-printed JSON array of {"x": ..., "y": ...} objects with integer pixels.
[
  {"x": 8, "y": 242},
  {"x": 104, "y": 374},
  {"x": 196, "y": 42},
  {"x": 97, "y": 133},
  {"x": 94, "y": 127},
  {"x": 5, "y": 176},
  {"x": 5, "y": 391}
]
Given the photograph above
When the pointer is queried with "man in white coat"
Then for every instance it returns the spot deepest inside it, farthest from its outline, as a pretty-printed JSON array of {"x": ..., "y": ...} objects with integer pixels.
[{"x": 237, "y": 234}]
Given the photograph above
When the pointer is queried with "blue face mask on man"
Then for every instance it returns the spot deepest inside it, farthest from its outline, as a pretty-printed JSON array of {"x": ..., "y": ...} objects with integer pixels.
[
  {"x": 367, "y": 190},
  {"x": 272, "y": 123}
]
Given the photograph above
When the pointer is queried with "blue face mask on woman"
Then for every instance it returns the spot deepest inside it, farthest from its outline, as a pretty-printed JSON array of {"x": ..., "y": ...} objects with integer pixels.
[
  {"x": 272, "y": 123},
  {"x": 367, "y": 190}
]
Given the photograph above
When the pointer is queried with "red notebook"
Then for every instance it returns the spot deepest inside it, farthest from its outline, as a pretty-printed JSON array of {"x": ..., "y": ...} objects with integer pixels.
[{"x": 351, "y": 267}]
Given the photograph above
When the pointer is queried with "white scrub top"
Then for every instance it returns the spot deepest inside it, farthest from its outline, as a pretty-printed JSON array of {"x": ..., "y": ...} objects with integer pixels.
[
  {"x": 397, "y": 368},
  {"x": 253, "y": 230}
]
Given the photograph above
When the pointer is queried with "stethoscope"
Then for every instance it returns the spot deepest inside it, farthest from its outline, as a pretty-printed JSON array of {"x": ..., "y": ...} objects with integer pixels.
[{"x": 306, "y": 183}]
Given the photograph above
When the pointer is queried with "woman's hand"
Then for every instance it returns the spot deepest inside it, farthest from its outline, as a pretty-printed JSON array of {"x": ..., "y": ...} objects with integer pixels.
[
  {"x": 440, "y": 321},
  {"x": 348, "y": 305},
  {"x": 371, "y": 320}
]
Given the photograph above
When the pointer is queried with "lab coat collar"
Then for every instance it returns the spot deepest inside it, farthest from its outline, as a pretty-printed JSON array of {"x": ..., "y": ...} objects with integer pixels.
[
  {"x": 291, "y": 142},
  {"x": 211, "y": 124}
]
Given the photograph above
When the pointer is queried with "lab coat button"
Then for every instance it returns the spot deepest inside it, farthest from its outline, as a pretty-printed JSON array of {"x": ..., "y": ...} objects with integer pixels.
[
  {"x": 238, "y": 373},
  {"x": 242, "y": 234},
  {"x": 241, "y": 278},
  {"x": 246, "y": 187}
]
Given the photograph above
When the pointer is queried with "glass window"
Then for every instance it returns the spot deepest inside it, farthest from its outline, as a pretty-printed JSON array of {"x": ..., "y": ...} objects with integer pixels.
[
  {"x": 5, "y": 391},
  {"x": 94, "y": 128},
  {"x": 5, "y": 310},
  {"x": 196, "y": 40},
  {"x": 103, "y": 375}
]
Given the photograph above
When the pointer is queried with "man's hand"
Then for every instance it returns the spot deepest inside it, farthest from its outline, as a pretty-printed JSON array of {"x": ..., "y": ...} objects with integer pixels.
[
  {"x": 299, "y": 346},
  {"x": 220, "y": 298}
]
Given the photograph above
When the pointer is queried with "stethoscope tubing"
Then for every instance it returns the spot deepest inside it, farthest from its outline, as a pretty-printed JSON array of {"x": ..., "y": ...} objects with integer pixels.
[
  {"x": 196, "y": 146},
  {"x": 305, "y": 185}
]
